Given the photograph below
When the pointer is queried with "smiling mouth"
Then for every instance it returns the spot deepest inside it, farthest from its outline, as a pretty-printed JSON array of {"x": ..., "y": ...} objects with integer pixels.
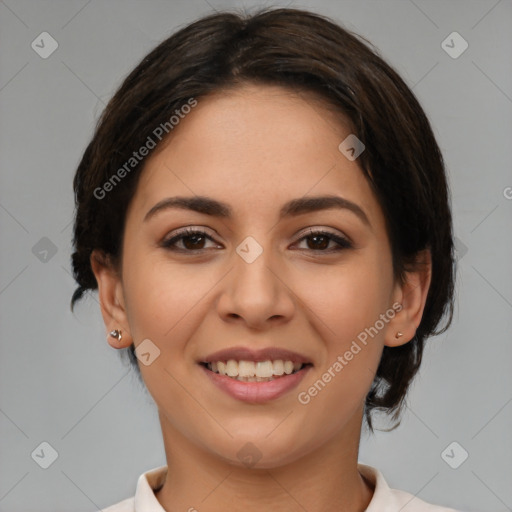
[{"x": 251, "y": 371}]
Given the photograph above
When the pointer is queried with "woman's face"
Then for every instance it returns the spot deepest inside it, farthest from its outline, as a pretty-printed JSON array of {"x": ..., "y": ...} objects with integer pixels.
[{"x": 257, "y": 279}]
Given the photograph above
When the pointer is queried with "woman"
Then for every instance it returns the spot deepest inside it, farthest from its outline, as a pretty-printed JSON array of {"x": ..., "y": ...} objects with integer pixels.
[{"x": 264, "y": 212}]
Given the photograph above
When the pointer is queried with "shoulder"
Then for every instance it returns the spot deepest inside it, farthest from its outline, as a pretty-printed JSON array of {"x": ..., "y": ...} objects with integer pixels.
[
  {"x": 409, "y": 503},
  {"x": 386, "y": 499},
  {"x": 144, "y": 499}
]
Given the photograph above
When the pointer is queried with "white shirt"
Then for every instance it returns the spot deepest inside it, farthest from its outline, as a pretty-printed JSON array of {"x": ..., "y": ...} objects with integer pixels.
[{"x": 384, "y": 499}]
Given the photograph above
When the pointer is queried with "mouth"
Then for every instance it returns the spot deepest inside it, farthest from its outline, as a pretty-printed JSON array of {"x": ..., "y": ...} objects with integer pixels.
[
  {"x": 255, "y": 376},
  {"x": 255, "y": 371}
]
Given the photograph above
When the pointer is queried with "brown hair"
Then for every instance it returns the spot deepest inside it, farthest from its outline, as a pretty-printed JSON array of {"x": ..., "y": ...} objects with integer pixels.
[{"x": 304, "y": 52}]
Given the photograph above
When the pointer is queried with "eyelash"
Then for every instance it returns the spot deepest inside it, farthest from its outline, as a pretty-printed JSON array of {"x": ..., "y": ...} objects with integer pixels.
[{"x": 343, "y": 243}]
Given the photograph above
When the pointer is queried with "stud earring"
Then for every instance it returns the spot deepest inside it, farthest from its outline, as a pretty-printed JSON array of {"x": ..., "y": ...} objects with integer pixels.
[
  {"x": 116, "y": 333},
  {"x": 398, "y": 334}
]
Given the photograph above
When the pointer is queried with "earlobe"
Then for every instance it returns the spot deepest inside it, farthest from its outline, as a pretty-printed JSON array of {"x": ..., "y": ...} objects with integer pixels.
[
  {"x": 412, "y": 295},
  {"x": 395, "y": 337},
  {"x": 110, "y": 298}
]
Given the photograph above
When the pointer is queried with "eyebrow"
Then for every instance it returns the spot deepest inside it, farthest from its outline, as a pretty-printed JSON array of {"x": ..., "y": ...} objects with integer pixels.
[{"x": 295, "y": 207}]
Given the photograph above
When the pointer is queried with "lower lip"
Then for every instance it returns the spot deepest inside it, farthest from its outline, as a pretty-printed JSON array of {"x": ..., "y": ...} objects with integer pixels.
[{"x": 256, "y": 392}]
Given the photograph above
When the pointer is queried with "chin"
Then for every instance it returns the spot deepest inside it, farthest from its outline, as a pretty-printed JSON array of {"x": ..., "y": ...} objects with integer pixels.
[{"x": 261, "y": 451}]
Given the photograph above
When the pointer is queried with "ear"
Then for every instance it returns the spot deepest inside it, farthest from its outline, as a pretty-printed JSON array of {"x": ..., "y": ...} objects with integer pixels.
[
  {"x": 110, "y": 294},
  {"x": 412, "y": 295}
]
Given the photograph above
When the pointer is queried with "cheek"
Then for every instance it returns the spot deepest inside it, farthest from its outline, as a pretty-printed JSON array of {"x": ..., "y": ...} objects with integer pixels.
[
  {"x": 348, "y": 306},
  {"x": 347, "y": 297},
  {"x": 348, "y": 302},
  {"x": 165, "y": 300}
]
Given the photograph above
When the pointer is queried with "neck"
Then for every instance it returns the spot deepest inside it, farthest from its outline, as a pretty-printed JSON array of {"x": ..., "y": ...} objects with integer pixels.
[{"x": 326, "y": 479}]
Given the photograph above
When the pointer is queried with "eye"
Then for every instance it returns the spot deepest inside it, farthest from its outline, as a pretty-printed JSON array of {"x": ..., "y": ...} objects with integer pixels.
[
  {"x": 320, "y": 241},
  {"x": 195, "y": 239},
  {"x": 192, "y": 240}
]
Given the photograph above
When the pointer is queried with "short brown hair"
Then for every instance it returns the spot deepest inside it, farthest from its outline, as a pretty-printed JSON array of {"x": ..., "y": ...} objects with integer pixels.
[{"x": 305, "y": 52}]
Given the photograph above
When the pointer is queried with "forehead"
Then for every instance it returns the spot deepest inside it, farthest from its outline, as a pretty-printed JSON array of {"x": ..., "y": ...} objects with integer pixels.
[{"x": 255, "y": 147}]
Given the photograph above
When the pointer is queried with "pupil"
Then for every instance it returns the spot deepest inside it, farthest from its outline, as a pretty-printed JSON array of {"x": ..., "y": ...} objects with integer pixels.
[
  {"x": 322, "y": 246},
  {"x": 194, "y": 243}
]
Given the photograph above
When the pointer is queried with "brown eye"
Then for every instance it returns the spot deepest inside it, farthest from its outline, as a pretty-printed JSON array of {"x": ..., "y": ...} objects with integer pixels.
[
  {"x": 319, "y": 241},
  {"x": 191, "y": 240}
]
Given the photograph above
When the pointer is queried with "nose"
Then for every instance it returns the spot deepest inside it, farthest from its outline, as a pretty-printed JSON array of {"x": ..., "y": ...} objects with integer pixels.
[{"x": 256, "y": 293}]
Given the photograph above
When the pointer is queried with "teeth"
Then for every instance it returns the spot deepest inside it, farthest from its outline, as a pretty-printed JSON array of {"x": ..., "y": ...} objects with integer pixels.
[
  {"x": 232, "y": 368},
  {"x": 278, "y": 367},
  {"x": 264, "y": 369},
  {"x": 250, "y": 371},
  {"x": 245, "y": 369}
]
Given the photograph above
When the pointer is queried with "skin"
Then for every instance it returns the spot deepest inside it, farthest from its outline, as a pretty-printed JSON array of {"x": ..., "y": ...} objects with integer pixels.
[{"x": 256, "y": 148}]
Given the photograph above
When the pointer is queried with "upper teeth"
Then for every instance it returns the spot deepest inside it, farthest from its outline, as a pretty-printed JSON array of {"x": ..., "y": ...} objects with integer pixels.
[{"x": 233, "y": 368}]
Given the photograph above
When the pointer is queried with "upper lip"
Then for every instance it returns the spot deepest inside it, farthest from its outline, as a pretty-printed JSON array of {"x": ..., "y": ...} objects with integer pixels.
[{"x": 248, "y": 354}]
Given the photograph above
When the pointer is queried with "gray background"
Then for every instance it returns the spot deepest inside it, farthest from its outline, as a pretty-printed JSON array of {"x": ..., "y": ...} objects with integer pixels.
[{"x": 62, "y": 384}]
